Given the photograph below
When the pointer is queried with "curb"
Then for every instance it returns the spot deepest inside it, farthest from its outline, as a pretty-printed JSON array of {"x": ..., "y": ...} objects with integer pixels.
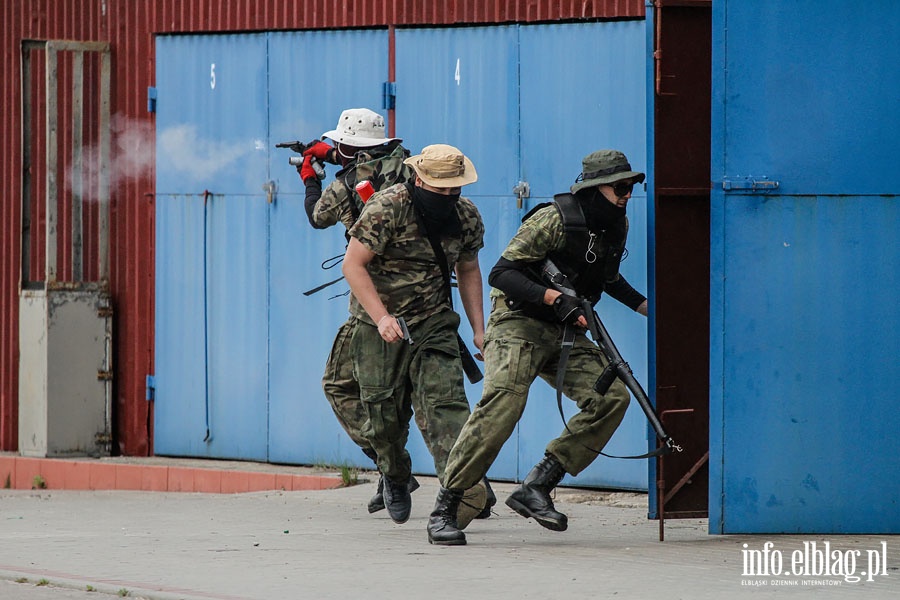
[{"x": 22, "y": 473}]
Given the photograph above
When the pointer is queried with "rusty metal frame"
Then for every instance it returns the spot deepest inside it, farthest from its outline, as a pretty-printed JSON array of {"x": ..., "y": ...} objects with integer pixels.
[
  {"x": 661, "y": 496},
  {"x": 51, "y": 49},
  {"x": 657, "y": 47}
]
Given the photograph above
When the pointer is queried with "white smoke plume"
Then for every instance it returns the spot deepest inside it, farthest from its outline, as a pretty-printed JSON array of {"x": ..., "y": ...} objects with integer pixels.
[
  {"x": 130, "y": 157},
  {"x": 183, "y": 155}
]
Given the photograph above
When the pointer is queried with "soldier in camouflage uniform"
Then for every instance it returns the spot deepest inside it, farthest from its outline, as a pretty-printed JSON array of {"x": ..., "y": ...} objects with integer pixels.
[
  {"x": 393, "y": 272},
  {"x": 523, "y": 341},
  {"x": 364, "y": 153}
]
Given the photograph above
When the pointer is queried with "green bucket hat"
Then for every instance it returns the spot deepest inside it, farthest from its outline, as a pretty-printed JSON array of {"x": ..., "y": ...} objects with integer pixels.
[{"x": 604, "y": 166}]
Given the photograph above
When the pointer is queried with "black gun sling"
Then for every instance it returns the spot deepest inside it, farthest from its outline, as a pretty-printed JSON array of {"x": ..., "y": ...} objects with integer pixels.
[
  {"x": 473, "y": 373},
  {"x": 560, "y": 282}
]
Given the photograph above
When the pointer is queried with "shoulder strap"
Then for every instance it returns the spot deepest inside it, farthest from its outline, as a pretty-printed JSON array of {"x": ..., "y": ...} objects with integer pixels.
[
  {"x": 535, "y": 209},
  {"x": 571, "y": 213},
  {"x": 470, "y": 367},
  {"x": 435, "y": 243}
]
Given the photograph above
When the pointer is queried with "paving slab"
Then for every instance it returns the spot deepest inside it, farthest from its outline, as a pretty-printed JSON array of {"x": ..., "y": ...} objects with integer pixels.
[{"x": 322, "y": 544}]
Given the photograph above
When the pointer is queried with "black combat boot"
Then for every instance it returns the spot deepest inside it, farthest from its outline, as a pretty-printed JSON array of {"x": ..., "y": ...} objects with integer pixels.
[
  {"x": 489, "y": 501},
  {"x": 532, "y": 497},
  {"x": 397, "y": 499},
  {"x": 442, "y": 528},
  {"x": 376, "y": 502}
]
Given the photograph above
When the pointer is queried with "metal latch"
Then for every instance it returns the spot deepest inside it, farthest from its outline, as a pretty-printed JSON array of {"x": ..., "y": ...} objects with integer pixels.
[
  {"x": 749, "y": 183},
  {"x": 522, "y": 190},
  {"x": 269, "y": 188}
]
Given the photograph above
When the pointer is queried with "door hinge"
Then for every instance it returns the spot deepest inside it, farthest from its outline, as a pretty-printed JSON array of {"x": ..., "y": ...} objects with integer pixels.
[
  {"x": 104, "y": 375},
  {"x": 750, "y": 184},
  {"x": 151, "y": 389},
  {"x": 389, "y": 95}
]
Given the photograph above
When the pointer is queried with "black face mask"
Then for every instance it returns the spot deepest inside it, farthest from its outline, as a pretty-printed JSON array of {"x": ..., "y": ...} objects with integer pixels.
[
  {"x": 599, "y": 212},
  {"x": 438, "y": 211}
]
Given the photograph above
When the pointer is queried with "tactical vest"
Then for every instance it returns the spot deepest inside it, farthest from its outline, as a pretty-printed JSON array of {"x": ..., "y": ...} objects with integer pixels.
[
  {"x": 384, "y": 167},
  {"x": 589, "y": 259}
]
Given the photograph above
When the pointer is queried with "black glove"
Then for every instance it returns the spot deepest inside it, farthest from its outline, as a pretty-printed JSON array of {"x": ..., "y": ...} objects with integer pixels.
[{"x": 567, "y": 308}]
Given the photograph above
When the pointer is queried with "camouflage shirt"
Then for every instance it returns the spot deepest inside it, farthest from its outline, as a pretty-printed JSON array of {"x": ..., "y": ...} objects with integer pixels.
[
  {"x": 339, "y": 198},
  {"x": 405, "y": 270},
  {"x": 538, "y": 236}
]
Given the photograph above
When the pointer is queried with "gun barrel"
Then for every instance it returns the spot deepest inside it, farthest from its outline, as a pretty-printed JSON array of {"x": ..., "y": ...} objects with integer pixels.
[
  {"x": 623, "y": 370},
  {"x": 470, "y": 367},
  {"x": 602, "y": 338},
  {"x": 406, "y": 337}
]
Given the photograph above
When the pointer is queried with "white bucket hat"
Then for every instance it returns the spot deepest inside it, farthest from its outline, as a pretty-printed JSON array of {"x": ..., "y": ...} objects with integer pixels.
[{"x": 360, "y": 128}]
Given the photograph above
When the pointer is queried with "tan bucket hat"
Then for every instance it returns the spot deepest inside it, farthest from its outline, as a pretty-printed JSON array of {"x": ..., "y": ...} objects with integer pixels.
[
  {"x": 360, "y": 128},
  {"x": 443, "y": 166}
]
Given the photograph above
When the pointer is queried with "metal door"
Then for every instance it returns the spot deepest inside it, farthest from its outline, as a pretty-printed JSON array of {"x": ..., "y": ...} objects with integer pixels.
[
  {"x": 805, "y": 269},
  {"x": 582, "y": 89},
  {"x": 460, "y": 87},
  {"x": 307, "y": 92},
  {"x": 211, "y": 222},
  {"x": 497, "y": 94}
]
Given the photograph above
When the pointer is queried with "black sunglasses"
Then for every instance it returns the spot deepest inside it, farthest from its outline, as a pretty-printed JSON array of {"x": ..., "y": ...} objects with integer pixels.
[{"x": 622, "y": 188}]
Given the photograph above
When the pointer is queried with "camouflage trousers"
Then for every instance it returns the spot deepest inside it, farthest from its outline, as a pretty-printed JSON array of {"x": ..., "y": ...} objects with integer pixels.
[
  {"x": 342, "y": 391},
  {"x": 398, "y": 381},
  {"x": 517, "y": 350}
]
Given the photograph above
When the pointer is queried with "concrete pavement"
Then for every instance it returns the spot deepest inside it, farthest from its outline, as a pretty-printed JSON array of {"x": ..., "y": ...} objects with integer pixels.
[{"x": 323, "y": 544}]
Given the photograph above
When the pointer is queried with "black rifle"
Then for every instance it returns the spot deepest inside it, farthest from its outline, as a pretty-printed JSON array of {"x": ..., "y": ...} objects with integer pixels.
[{"x": 616, "y": 366}]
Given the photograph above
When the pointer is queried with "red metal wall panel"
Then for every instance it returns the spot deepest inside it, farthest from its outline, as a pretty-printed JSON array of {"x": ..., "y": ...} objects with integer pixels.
[{"x": 129, "y": 26}]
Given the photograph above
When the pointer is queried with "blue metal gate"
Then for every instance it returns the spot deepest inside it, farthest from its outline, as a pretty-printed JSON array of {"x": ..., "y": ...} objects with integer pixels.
[
  {"x": 306, "y": 96},
  {"x": 211, "y": 253},
  {"x": 582, "y": 89},
  {"x": 460, "y": 87},
  {"x": 495, "y": 92},
  {"x": 805, "y": 272}
]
